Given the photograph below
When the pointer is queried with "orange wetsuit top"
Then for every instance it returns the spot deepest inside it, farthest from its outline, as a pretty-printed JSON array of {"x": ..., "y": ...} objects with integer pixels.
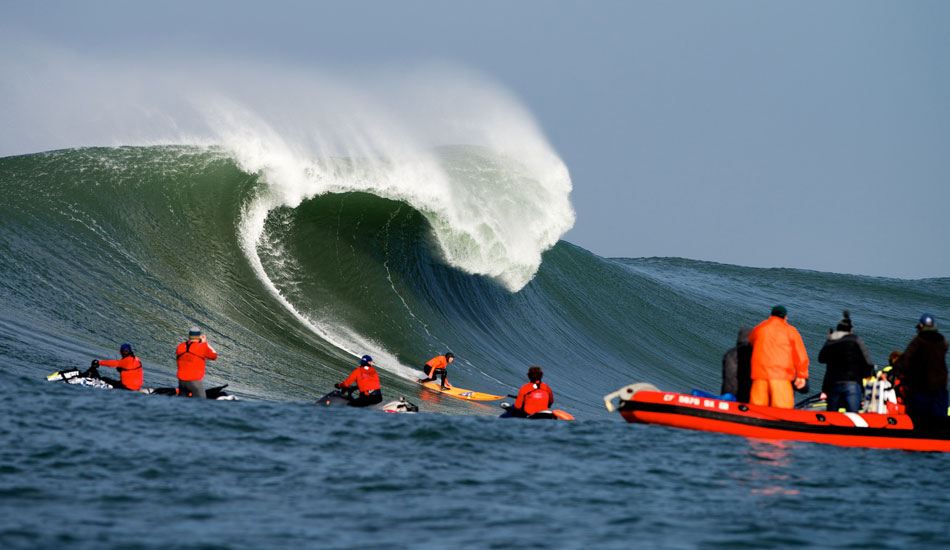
[
  {"x": 130, "y": 371},
  {"x": 534, "y": 397},
  {"x": 778, "y": 352},
  {"x": 366, "y": 378},
  {"x": 437, "y": 362},
  {"x": 191, "y": 359}
]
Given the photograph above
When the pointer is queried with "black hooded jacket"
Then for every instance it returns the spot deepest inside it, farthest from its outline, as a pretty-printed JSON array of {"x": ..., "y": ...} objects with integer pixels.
[
  {"x": 923, "y": 365},
  {"x": 847, "y": 358},
  {"x": 737, "y": 367}
]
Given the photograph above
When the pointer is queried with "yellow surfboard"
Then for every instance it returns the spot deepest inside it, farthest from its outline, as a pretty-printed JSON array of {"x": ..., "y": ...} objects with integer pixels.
[{"x": 461, "y": 393}]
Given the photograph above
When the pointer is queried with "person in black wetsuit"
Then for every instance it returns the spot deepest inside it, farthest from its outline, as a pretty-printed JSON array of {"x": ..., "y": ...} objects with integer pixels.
[
  {"x": 436, "y": 367},
  {"x": 129, "y": 367},
  {"x": 367, "y": 381}
]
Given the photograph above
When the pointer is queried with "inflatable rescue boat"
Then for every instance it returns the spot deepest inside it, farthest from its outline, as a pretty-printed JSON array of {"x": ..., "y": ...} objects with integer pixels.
[{"x": 645, "y": 404}]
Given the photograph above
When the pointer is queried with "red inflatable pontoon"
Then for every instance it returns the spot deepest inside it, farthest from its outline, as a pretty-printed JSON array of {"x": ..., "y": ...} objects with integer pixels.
[{"x": 643, "y": 403}]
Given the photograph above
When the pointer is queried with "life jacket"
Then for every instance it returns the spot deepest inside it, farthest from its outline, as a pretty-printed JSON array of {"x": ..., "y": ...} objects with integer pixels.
[
  {"x": 534, "y": 397},
  {"x": 438, "y": 362},
  {"x": 191, "y": 356},
  {"x": 130, "y": 371},
  {"x": 366, "y": 378}
]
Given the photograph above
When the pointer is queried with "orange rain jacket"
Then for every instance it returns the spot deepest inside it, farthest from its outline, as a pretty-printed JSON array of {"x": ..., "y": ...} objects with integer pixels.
[
  {"x": 366, "y": 378},
  {"x": 130, "y": 371},
  {"x": 778, "y": 352},
  {"x": 191, "y": 359},
  {"x": 533, "y": 398}
]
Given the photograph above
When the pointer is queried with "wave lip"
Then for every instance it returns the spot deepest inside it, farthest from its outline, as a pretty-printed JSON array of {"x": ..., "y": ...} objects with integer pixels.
[{"x": 494, "y": 192}]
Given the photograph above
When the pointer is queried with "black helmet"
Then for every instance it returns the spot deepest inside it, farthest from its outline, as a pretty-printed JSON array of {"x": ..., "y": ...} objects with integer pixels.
[
  {"x": 125, "y": 349},
  {"x": 449, "y": 355}
]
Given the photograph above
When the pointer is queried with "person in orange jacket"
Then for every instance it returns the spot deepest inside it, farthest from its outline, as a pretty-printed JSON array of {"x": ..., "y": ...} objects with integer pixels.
[
  {"x": 191, "y": 355},
  {"x": 367, "y": 381},
  {"x": 535, "y": 395},
  {"x": 779, "y": 361},
  {"x": 437, "y": 366},
  {"x": 129, "y": 367}
]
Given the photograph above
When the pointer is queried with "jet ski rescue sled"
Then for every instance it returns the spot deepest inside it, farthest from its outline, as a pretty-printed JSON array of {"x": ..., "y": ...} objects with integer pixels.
[
  {"x": 338, "y": 397},
  {"x": 645, "y": 404},
  {"x": 546, "y": 414}
]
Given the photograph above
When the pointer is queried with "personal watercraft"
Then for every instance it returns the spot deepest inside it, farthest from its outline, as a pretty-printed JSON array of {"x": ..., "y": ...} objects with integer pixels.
[{"x": 90, "y": 378}]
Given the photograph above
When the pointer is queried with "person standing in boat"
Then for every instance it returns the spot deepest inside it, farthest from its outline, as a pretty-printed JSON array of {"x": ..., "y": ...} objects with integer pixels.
[
  {"x": 367, "y": 381},
  {"x": 849, "y": 363},
  {"x": 535, "y": 396},
  {"x": 779, "y": 361},
  {"x": 129, "y": 367},
  {"x": 737, "y": 368},
  {"x": 438, "y": 367},
  {"x": 191, "y": 356},
  {"x": 922, "y": 371}
]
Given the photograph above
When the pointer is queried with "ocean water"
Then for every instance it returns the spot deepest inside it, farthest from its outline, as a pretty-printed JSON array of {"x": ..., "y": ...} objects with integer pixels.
[{"x": 294, "y": 276}]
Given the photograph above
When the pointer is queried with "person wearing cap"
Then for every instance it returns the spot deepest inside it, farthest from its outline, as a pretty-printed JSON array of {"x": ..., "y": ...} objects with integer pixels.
[
  {"x": 534, "y": 396},
  {"x": 437, "y": 366},
  {"x": 922, "y": 371},
  {"x": 848, "y": 364},
  {"x": 191, "y": 355},
  {"x": 737, "y": 368},
  {"x": 779, "y": 361},
  {"x": 129, "y": 367},
  {"x": 367, "y": 381}
]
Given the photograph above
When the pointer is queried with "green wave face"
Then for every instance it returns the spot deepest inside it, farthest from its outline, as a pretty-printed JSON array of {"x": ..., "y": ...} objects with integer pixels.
[{"x": 109, "y": 245}]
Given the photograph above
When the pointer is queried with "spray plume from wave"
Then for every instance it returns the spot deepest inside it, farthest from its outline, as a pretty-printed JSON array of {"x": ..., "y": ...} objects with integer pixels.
[{"x": 307, "y": 133}]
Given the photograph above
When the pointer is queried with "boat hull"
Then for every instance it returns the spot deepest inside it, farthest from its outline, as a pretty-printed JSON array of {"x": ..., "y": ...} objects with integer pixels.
[{"x": 884, "y": 431}]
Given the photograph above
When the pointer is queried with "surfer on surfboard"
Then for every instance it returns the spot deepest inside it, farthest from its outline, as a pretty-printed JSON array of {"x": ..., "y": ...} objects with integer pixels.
[{"x": 437, "y": 367}]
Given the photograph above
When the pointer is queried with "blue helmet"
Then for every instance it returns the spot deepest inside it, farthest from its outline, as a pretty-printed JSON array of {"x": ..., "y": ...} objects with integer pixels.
[
  {"x": 365, "y": 360},
  {"x": 927, "y": 321},
  {"x": 125, "y": 349}
]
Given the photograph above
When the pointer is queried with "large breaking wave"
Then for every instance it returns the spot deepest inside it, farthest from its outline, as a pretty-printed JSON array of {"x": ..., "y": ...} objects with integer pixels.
[{"x": 496, "y": 197}]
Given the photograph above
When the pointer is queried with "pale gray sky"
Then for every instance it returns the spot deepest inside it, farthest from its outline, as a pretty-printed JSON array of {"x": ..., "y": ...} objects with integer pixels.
[{"x": 812, "y": 135}]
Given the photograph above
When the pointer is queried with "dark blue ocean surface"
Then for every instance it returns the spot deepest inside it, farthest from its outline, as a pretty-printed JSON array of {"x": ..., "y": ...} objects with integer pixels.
[{"x": 85, "y": 468}]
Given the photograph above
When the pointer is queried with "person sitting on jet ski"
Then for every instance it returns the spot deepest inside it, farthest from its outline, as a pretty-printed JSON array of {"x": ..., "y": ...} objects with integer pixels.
[
  {"x": 129, "y": 367},
  {"x": 367, "y": 381},
  {"x": 535, "y": 395},
  {"x": 438, "y": 366}
]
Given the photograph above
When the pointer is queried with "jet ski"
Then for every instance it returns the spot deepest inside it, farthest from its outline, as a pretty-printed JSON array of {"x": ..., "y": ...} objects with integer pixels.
[
  {"x": 345, "y": 396},
  {"x": 546, "y": 414},
  {"x": 90, "y": 378}
]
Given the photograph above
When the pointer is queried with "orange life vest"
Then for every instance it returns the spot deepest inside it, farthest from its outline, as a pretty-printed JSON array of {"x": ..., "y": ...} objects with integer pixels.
[
  {"x": 130, "y": 371},
  {"x": 534, "y": 397},
  {"x": 437, "y": 362},
  {"x": 191, "y": 357},
  {"x": 366, "y": 378}
]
